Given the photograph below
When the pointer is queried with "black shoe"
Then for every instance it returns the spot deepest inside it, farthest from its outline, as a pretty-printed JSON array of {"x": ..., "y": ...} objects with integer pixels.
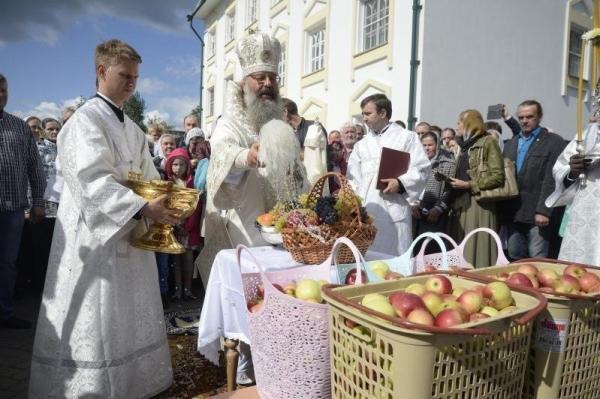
[
  {"x": 188, "y": 296},
  {"x": 15, "y": 324},
  {"x": 165, "y": 301}
]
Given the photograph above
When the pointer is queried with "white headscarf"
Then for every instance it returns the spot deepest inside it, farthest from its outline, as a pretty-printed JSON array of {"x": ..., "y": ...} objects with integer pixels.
[
  {"x": 193, "y": 132},
  {"x": 159, "y": 151}
]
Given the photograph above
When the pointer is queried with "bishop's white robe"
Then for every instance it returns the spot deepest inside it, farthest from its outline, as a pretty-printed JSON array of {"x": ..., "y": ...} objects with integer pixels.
[
  {"x": 391, "y": 212},
  {"x": 582, "y": 233},
  {"x": 236, "y": 196},
  {"x": 101, "y": 330}
]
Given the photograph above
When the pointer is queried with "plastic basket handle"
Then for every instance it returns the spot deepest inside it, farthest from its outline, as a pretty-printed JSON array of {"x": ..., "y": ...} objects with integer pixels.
[
  {"x": 238, "y": 254},
  {"x": 358, "y": 258},
  {"x": 501, "y": 260},
  {"x": 421, "y": 254},
  {"x": 328, "y": 290},
  {"x": 527, "y": 317},
  {"x": 438, "y": 240}
]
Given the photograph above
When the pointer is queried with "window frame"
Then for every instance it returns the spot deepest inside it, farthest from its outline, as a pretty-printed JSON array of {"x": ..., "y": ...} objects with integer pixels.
[
  {"x": 210, "y": 101},
  {"x": 381, "y": 26},
  {"x": 210, "y": 43},
  {"x": 251, "y": 6},
  {"x": 230, "y": 26},
  {"x": 579, "y": 31},
  {"x": 315, "y": 58}
]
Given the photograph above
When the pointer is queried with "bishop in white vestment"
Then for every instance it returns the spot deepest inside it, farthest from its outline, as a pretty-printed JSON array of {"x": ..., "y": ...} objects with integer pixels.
[
  {"x": 582, "y": 233},
  {"x": 101, "y": 330},
  {"x": 391, "y": 211}
]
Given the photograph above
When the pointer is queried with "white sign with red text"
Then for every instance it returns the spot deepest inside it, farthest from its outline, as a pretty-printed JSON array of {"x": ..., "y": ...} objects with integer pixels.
[{"x": 551, "y": 334}]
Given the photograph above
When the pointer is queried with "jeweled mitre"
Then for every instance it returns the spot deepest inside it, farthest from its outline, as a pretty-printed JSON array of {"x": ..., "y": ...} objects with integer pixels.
[{"x": 258, "y": 52}]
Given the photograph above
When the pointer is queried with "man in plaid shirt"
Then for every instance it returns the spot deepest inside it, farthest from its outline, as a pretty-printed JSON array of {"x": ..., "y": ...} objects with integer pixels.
[{"x": 20, "y": 167}]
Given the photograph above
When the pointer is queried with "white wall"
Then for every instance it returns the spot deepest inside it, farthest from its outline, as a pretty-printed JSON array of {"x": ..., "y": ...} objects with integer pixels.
[{"x": 476, "y": 53}]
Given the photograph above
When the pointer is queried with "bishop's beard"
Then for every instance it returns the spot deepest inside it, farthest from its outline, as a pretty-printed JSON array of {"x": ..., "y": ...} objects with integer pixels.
[{"x": 260, "y": 111}]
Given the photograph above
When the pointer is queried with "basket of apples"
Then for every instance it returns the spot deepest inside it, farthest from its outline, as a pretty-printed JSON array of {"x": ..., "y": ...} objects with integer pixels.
[
  {"x": 310, "y": 225},
  {"x": 431, "y": 335},
  {"x": 566, "y": 336},
  {"x": 288, "y": 323}
]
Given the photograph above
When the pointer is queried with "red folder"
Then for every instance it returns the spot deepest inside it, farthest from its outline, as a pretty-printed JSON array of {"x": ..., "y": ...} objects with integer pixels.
[{"x": 393, "y": 164}]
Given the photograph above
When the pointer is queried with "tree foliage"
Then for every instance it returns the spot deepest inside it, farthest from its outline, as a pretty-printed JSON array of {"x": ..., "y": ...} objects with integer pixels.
[
  {"x": 134, "y": 107},
  {"x": 198, "y": 112}
]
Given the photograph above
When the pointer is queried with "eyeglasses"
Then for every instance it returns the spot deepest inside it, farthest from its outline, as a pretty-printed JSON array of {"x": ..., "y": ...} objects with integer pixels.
[{"x": 261, "y": 78}]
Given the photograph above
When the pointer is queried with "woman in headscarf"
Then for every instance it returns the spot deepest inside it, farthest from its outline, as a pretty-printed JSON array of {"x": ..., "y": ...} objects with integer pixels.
[
  {"x": 166, "y": 144},
  {"x": 466, "y": 213}
]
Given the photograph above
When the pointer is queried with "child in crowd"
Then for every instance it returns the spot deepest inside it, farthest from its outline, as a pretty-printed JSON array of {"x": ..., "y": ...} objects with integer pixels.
[{"x": 178, "y": 169}]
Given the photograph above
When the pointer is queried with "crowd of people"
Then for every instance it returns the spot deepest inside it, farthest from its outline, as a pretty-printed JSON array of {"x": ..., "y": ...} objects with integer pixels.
[{"x": 97, "y": 283}]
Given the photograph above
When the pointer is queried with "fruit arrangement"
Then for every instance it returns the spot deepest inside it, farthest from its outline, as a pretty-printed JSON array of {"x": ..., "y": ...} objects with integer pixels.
[
  {"x": 306, "y": 214},
  {"x": 575, "y": 279},
  {"x": 437, "y": 303},
  {"x": 308, "y": 290}
]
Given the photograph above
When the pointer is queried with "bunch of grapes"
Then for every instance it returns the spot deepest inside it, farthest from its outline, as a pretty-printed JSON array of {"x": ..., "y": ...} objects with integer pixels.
[
  {"x": 325, "y": 209},
  {"x": 303, "y": 200}
]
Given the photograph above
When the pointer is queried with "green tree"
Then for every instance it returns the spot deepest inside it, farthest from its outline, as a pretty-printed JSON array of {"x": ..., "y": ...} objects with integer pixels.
[
  {"x": 134, "y": 107},
  {"x": 198, "y": 112}
]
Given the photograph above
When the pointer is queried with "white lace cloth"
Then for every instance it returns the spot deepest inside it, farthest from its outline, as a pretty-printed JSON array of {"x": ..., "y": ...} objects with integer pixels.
[{"x": 224, "y": 313}]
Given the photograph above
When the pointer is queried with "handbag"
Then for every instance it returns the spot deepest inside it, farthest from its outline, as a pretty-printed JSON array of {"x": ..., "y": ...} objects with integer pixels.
[{"x": 509, "y": 190}]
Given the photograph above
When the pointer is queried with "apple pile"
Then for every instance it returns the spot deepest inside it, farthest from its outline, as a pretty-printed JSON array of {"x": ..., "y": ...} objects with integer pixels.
[
  {"x": 308, "y": 290},
  {"x": 437, "y": 303},
  {"x": 575, "y": 279}
]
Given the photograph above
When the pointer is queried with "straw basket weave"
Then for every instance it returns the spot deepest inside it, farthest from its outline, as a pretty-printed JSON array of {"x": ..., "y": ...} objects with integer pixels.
[{"x": 313, "y": 248}]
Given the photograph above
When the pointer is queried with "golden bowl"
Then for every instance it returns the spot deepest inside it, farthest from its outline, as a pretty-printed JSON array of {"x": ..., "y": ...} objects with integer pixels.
[{"x": 160, "y": 237}]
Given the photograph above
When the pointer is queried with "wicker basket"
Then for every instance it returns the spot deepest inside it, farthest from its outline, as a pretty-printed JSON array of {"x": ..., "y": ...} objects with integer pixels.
[{"x": 312, "y": 249}]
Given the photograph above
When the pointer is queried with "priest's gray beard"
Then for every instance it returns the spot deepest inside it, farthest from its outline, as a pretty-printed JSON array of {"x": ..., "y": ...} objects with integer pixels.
[
  {"x": 284, "y": 172},
  {"x": 261, "y": 111}
]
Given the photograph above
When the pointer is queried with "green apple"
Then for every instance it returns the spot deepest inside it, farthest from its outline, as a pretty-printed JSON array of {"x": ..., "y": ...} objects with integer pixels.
[
  {"x": 490, "y": 311},
  {"x": 380, "y": 268},
  {"x": 382, "y": 307},
  {"x": 433, "y": 302},
  {"x": 308, "y": 289},
  {"x": 373, "y": 297},
  {"x": 416, "y": 288}
]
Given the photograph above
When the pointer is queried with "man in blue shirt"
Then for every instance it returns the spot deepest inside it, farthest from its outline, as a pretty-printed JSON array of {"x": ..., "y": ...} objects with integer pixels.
[{"x": 534, "y": 150}]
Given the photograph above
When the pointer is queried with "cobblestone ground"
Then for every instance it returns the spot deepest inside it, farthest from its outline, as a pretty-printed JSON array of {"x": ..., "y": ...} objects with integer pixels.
[{"x": 15, "y": 352}]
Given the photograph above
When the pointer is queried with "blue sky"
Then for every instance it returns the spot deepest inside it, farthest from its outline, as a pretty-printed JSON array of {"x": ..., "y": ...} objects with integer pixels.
[{"x": 46, "y": 52}]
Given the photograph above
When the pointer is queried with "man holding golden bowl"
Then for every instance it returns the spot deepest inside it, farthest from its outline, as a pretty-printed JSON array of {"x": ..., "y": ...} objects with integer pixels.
[{"x": 101, "y": 329}]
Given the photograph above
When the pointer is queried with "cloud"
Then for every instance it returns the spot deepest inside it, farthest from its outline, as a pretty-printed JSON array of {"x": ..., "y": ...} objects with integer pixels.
[
  {"x": 151, "y": 85},
  {"x": 44, "y": 21},
  {"x": 47, "y": 109},
  {"x": 174, "y": 109},
  {"x": 156, "y": 115},
  {"x": 183, "y": 67}
]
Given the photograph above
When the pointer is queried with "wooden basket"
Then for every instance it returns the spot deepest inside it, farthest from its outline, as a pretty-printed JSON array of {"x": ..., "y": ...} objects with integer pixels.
[{"x": 307, "y": 248}]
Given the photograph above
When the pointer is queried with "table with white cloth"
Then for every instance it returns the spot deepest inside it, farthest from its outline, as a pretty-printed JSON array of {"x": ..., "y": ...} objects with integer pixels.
[{"x": 224, "y": 312}]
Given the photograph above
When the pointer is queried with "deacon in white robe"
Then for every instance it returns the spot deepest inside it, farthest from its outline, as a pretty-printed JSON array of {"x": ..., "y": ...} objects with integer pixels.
[
  {"x": 315, "y": 153},
  {"x": 582, "y": 233},
  {"x": 101, "y": 330},
  {"x": 391, "y": 211}
]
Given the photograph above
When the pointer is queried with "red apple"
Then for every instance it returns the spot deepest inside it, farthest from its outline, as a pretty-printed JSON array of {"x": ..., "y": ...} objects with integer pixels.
[
  {"x": 260, "y": 291},
  {"x": 471, "y": 301},
  {"x": 478, "y": 288},
  {"x": 519, "y": 279},
  {"x": 448, "y": 318},
  {"x": 528, "y": 269},
  {"x": 478, "y": 316},
  {"x": 421, "y": 316},
  {"x": 588, "y": 280},
  {"x": 574, "y": 270},
  {"x": 350, "y": 323},
  {"x": 390, "y": 275},
  {"x": 502, "y": 276},
  {"x": 256, "y": 307},
  {"x": 351, "y": 277},
  {"x": 404, "y": 303},
  {"x": 570, "y": 280},
  {"x": 439, "y": 284},
  {"x": 547, "y": 277},
  {"x": 595, "y": 289}
]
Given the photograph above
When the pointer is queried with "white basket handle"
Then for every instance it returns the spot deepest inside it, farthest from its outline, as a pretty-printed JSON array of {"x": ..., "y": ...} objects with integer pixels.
[
  {"x": 438, "y": 240},
  {"x": 421, "y": 254},
  {"x": 358, "y": 258},
  {"x": 501, "y": 258}
]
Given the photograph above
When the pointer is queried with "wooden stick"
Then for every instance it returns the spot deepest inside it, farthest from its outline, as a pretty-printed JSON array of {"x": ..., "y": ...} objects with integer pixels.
[
  {"x": 231, "y": 361},
  {"x": 580, "y": 92}
]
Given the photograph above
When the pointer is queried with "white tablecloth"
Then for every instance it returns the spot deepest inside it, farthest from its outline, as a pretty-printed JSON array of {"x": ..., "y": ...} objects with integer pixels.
[{"x": 224, "y": 312}]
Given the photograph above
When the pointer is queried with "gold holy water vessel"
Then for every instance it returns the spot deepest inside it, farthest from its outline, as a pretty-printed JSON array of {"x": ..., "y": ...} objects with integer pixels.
[{"x": 160, "y": 237}]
